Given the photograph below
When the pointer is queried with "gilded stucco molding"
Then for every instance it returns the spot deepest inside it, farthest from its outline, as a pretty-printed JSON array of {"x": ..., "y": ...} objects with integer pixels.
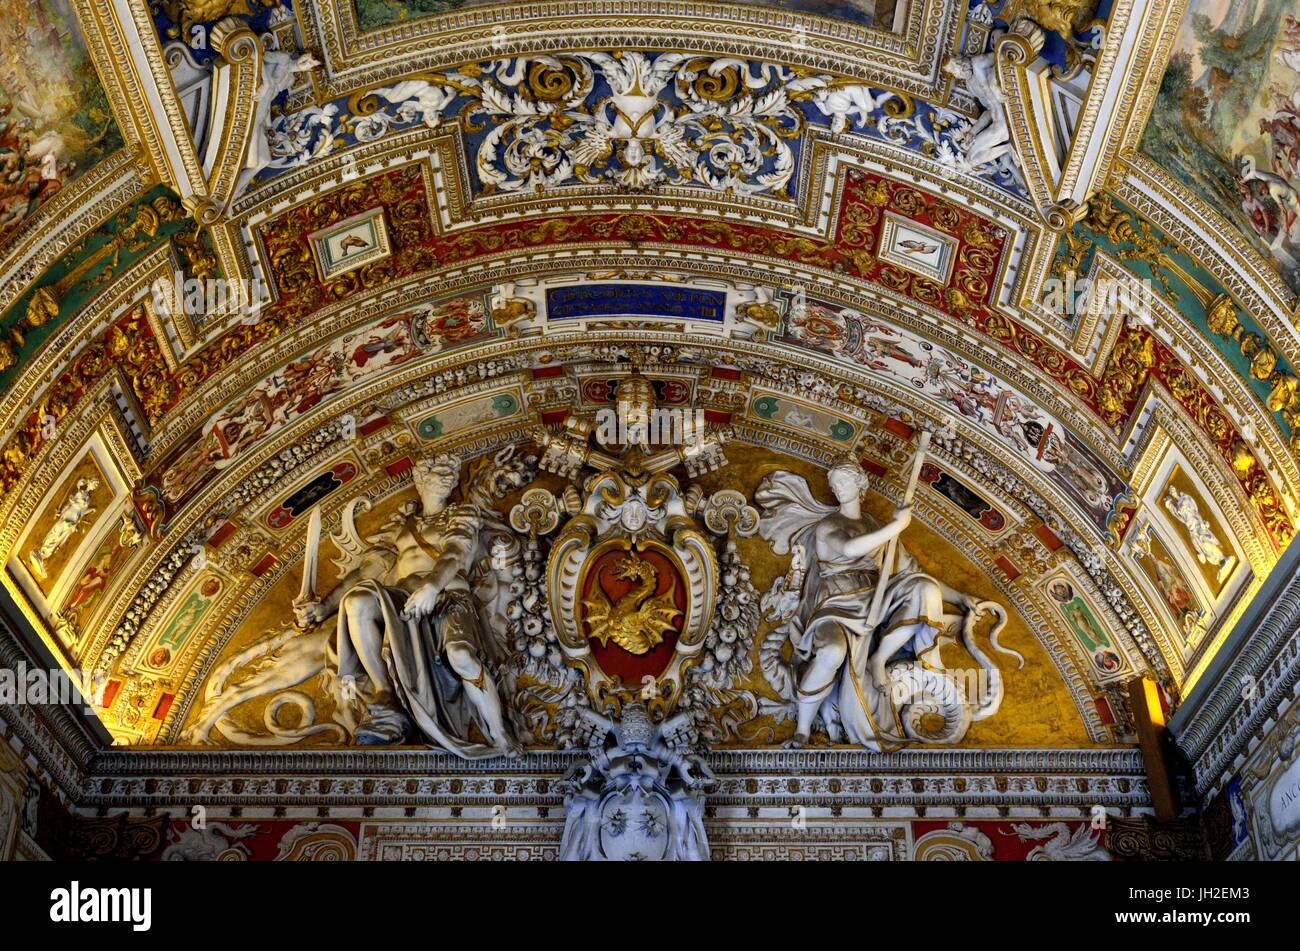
[
  {"x": 1162, "y": 48},
  {"x": 458, "y": 206},
  {"x": 1167, "y": 429},
  {"x": 102, "y": 417},
  {"x": 283, "y": 347},
  {"x": 1214, "y": 243},
  {"x": 821, "y": 177},
  {"x": 907, "y": 61},
  {"x": 90, "y": 201},
  {"x": 1125, "y": 65},
  {"x": 129, "y": 56},
  {"x": 31, "y": 386},
  {"x": 827, "y": 166},
  {"x": 1108, "y": 575},
  {"x": 206, "y": 401},
  {"x": 1037, "y": 778},
  {"x": 1230, "y": 390},
  {"x": 507, "y": 266},
  {"x": 239, "y": 76}
]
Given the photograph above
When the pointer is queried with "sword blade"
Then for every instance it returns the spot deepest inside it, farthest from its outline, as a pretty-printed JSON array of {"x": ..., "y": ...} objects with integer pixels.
[{"x": 310, "y": 557}]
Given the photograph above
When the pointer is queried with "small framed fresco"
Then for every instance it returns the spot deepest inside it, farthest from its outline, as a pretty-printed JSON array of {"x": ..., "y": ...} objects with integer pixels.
[
  {"x": 1177, "y": 591},
  {"x": 84, "y": 503},
  {"x": 167, "y": 643},
  {"x": 917, "y": 248},
  {"x": 493, "y": 407},
  {"x": 1105, "y": 658},
  {"x": 975, "y": 505},
  {"x": 801, "y": 416},
  {"x": 350, "y": 244}
]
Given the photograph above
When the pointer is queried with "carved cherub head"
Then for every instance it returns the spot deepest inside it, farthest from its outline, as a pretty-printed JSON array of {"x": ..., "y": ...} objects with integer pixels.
[{"x": 957, "y": 68}]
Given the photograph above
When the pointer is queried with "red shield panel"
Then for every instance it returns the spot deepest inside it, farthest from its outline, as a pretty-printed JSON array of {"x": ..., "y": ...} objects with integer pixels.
[{"x": 632, "y": 607}]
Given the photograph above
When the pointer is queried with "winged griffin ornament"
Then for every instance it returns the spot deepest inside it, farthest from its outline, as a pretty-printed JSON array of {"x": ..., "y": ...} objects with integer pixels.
[{"x": 639, "y": 619}]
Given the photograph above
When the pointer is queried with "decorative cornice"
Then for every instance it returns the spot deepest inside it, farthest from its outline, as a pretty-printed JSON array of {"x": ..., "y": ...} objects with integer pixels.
[
  {"x": 46, "y": 236},
  {"x": 52, "y": 739},
  {"x": 358, "y": 779}
]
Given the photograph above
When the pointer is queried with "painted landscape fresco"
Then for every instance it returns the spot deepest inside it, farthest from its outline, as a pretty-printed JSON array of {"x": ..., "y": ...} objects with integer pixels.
[
  {"x": 372, "y": 14},
  {"x": 55, "y": 121},
  {"x": 1227, "y": 119}
]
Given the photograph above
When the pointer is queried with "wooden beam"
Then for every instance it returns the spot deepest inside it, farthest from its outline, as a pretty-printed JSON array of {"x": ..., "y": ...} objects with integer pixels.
[{"x": 1153, "y": 739}]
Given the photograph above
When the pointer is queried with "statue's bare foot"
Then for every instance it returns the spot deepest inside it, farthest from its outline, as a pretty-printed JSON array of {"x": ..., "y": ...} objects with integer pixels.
[
  {"x": 513, "y": 749},
  {"x": 797, "y": 742}
]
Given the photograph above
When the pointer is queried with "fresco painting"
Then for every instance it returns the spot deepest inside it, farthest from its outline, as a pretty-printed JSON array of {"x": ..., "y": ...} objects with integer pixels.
[
  {"x": 1087, "y": 630},
  {"x": 980, "y": 398},
  {"x": 167, "y": 645},
  {"x": 288, "y": 393},
  {"x": 55, "y": 121},
  {"x": 1227, "y": 119},
  {"x": 1162, "y": 569},
  {"x": 373, "y": 14}
]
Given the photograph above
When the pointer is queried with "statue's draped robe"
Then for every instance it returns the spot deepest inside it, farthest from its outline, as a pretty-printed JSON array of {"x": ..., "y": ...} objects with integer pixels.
[
  {"x": 839, "y": 592},
  {"x": 424, "y": 687}
]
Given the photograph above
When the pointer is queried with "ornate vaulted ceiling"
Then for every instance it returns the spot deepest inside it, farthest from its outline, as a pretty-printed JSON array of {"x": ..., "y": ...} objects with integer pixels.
[{"x": 463, "y": 225}]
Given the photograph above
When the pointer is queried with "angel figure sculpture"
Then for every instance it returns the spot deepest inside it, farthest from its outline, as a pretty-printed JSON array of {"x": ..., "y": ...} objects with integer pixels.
[
  {"x": 988, "y": 138},
  {"x": 846, "y": 632},
  {"x": 415, "y": 651},
  {"x": 280, "y": 71}
]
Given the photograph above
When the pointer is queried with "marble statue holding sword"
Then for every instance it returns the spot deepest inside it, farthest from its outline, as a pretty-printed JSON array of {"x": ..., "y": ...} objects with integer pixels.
[{"x": 412, "y": 649}]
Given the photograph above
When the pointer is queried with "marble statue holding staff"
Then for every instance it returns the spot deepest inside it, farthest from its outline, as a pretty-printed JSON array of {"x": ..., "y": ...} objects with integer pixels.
[
  {"x": 847, "y": 626},
  {"x": 830, "y": 632}
]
